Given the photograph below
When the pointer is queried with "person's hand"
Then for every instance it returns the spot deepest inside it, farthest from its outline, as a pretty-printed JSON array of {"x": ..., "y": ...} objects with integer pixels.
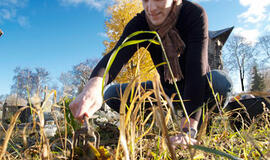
[
  {"x": 182, "y": 140},
  {"x": 89, "y": 100}
]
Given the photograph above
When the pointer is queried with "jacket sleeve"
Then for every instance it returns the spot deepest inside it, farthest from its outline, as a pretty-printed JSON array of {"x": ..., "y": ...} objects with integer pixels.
[
  {"x": 196, "y": 60},
  {"x": 123, "y": 55}
]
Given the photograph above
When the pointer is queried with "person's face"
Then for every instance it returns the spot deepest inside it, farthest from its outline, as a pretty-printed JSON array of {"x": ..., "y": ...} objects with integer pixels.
[{"x": 157, "y": 10}]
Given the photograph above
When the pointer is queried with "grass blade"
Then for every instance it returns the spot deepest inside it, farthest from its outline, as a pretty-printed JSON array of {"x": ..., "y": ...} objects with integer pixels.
[
  {"x": 10, "y": 129},
  {"x": 125, "y": 44},
  {"x": 216, "y": 152}
]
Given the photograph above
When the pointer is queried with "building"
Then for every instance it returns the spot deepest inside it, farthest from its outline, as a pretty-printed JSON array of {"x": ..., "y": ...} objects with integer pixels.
[
  {"x": 265, "y": 72},
  {"x": 217, "y": 40}
]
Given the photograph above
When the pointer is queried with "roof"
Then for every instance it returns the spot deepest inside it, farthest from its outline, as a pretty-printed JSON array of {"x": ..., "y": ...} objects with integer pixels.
[
  {"x": 222, "y": 34},
  {"x": 13, "y": 100}
]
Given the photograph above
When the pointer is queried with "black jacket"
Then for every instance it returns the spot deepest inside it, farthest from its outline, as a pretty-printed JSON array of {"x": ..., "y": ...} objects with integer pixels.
[{"x": 192, "y": 25}]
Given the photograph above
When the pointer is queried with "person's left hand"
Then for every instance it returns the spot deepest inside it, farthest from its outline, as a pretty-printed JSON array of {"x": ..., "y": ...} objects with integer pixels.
[{"x": 182, "y": 140}]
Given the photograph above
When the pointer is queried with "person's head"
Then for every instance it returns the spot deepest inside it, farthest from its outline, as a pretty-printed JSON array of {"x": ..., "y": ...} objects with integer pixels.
[{"x": 157, "y": 10}]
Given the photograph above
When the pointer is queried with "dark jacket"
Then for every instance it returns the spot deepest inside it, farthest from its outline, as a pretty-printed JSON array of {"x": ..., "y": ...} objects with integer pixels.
[{"x": 192, "y": 25}]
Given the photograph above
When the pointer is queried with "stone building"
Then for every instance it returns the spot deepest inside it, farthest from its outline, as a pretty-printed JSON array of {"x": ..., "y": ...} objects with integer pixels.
[
  {"x": 266, "y": 77},
  {"x": 11, "y": 106},
  {"x": 217, "y": 39}
]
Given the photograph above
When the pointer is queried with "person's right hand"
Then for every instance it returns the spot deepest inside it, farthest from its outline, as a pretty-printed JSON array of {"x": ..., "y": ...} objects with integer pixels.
[
  {"x": 89, "y": 100},
  {"x": 182, "y": 140}
]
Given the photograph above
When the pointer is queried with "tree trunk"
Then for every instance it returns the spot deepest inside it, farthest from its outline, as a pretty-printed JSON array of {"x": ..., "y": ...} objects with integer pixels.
[
  {"x": 242, "y": 80},
  {"x": 242, "y": 84}
]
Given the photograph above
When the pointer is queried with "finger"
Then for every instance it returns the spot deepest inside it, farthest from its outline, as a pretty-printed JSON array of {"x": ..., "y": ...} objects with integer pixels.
[
  {"x": 193, "y": 141},
  {"x": 182, "y": 139},
  {"x": 82, "y": 110},
  {"x": 85, "y": 118},
  {"x": 92, "y": 109},
  {"x": 176, "y": 138}
]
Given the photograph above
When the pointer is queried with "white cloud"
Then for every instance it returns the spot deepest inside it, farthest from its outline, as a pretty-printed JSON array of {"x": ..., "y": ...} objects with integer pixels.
[
  {"x": 13, "y": 3},
  {"x": 251, "y": 35},
  {"x": 7, "y": 14},
  {"x": 23, "y": 21},
  {"x": 267, "y": 28},
  {"x": 102, "y": 34},
  {"x": 98, "y": 4},
  {"x": 257, "y": 10},
  {"x": 8, "y": 9}
]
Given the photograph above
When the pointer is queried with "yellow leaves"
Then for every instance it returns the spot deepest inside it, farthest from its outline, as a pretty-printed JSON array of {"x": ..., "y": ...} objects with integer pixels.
[
  {"x": 143, "y": 59},
  {"x": 88, "y": 151},
  {"x": 199, "y": 156},
  {"x": 121, "y": 13},
  {"x": 104, "y": 153}
]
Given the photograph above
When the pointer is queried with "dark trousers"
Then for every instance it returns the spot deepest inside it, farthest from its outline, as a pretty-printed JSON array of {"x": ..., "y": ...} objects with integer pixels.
[{"x": 220, "y": 81}]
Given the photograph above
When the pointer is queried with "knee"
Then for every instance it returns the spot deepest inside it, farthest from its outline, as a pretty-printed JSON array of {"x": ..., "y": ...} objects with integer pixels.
[
  {"x": 112, "y": 92},
  {"x": 221, "y": 82},
  {"x": 109, "y": 92}
]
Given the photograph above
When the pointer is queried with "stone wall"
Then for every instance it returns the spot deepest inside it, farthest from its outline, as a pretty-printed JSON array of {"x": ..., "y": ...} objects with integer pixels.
[
  {"x": 214, "y": 54},
  {"x": 8, "y": 112},
  {"x": 266, "y": 76},
  {"x": 217, "y": 40}
]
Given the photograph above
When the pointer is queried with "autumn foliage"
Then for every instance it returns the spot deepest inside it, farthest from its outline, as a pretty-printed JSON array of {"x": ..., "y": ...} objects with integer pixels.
[{"x": 121, "y": 13}]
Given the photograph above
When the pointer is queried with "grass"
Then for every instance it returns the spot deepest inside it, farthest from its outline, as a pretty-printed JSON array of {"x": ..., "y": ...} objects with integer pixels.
[
  {"x": 145, "y": 136},
  {"x": 141, "y": 136}
]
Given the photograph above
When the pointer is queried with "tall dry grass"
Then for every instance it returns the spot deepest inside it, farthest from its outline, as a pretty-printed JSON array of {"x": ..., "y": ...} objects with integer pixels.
[
  {"x": 145, "y": 136},
  {"x": 144, "y": 131}
]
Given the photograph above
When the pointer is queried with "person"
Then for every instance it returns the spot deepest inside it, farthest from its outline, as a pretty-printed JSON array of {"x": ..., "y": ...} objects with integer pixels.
[{"x": 183, "y": 28}]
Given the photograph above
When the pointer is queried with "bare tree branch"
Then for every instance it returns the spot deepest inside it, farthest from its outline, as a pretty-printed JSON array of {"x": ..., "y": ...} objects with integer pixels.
[{"x": 239, "y": 56}]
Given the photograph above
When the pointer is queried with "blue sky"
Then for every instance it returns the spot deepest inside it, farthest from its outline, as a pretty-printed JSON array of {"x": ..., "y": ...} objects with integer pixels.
[{"x": 57, "y": 34}]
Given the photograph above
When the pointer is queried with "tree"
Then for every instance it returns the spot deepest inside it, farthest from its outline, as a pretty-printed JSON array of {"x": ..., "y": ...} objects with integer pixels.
[
  {"x": 28, "y": 81},
  {"x": 121, "y": 13},
  {"x": 40, "y": 79},
  {"x": 2, "y": 98},
  {"x": 74, "y": 81},
  {"x": 82, "y": 72},
  {"x": 264, "y": 43},
  {"x": 257, "y": 83},
  {"x": 68, "y": 88},
  {"x": 22, "y": 82},
  {"x": 239, "y": 56}
]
